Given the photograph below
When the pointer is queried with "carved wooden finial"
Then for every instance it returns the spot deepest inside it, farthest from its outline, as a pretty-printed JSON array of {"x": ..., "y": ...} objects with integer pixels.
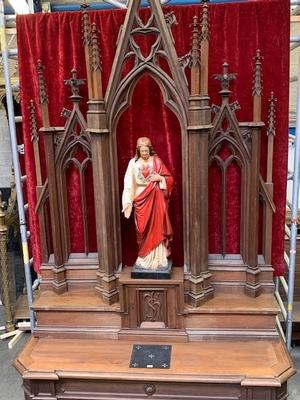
[
  {"x": 272, "y": 115},
  {"x": 33, "y": 122},
  {"x": 195, "y": 53},
  {"x": 96, "y": 55},
  {"x": 86, "y": 27},
  {"x": 257, "y": 81},
  {"x": 74, "y": 84},
  {"x": 205, "y": 22},
  {"x": 84, "y": 5},
  {"x": 225, "y": 78},
  {"x": 41, "y": 82}
]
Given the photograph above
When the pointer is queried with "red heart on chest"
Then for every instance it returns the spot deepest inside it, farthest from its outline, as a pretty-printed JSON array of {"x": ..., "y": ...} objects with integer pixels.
[{"x": 145, "y": 170}]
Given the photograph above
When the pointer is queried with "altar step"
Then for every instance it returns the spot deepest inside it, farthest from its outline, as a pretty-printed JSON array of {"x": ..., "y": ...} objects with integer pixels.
[
  {"x": 79, "y": 314},
  {"x": 233, "y": 316},
  {"x": 98, "y": 369},
  {"x": 75, "y": 314}
]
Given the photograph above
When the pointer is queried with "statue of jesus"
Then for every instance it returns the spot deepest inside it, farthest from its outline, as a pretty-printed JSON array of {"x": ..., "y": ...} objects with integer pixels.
[{"x": 147, "y": 188}]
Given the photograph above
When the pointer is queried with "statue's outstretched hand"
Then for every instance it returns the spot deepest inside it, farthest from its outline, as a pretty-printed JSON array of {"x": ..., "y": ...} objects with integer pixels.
[{"x": 127, "y": 210}]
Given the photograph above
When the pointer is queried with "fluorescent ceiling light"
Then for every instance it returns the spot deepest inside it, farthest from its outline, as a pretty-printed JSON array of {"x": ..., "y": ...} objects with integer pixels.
[{"x": 20, "y": 6}]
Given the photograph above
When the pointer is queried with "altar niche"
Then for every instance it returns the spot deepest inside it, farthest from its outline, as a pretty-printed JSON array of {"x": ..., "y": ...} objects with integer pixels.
[{"x": 162, "y": 127}]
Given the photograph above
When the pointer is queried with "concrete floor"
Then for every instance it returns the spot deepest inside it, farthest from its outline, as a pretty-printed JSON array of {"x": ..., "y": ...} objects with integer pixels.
[{"x": 10, "y": 381}]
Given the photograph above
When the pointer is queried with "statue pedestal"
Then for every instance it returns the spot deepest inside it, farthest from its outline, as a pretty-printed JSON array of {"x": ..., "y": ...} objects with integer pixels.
[
  {"x": 158, "y": 274},
  {"x": 152, "y": 300}
]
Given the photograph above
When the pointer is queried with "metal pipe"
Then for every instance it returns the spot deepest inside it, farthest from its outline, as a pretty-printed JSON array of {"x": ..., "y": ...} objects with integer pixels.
[
  {"x": 14, "y": 148},
  {"x": 286, "y": 258},
  {"x": 287, "y": 230},
  {"x": 278, "y": 323},
  {"x": 106, "y": 5},
  {"x": 284, "y": 284},
  {"x": 276, "y": 283},
  {"x": 116, "y": 3},
  {"x": 281, "y": 305},
  {"x": 11, "y": 53},
  {"x": 294, "y": 46},
  {"x": 11, "y": 17},
  {"x": 294, "y": 39},
  {"x": 31, "y": 6},
  {"x": 294, "y": 223}
]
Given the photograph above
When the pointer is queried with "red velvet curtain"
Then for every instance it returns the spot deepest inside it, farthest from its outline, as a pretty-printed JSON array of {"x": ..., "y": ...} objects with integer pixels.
[{"x": 237, "y": 30}]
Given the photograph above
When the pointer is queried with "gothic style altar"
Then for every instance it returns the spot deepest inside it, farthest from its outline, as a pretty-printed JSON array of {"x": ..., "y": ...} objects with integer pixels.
[{"x": 216, "y": 313}]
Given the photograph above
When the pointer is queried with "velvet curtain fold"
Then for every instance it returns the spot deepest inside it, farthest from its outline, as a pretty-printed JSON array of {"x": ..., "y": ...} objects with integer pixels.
[{"x": 237, "y": 30}]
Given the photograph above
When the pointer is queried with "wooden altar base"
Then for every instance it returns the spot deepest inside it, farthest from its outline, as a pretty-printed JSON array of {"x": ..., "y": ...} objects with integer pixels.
[
  {"x": 99, "y": 369},
  {"x": 83, "y": 314}
]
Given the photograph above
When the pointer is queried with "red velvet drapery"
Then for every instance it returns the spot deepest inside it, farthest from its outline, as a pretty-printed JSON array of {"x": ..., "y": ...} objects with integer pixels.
[{"x": 237, "y": 30}]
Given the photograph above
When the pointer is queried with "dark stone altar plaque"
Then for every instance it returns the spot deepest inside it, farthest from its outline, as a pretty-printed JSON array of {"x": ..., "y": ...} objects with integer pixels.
[
  {"x": 151, "y": 356},
  {"x": 159, "y": 273}
]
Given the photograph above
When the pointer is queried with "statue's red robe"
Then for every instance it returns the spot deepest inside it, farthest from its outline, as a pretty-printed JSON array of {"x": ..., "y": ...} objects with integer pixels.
[{"x": 152, "y": 220}]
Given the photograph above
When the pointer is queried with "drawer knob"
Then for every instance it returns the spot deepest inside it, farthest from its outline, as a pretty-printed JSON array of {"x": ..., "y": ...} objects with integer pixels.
[{"x": 149, "y": 389}]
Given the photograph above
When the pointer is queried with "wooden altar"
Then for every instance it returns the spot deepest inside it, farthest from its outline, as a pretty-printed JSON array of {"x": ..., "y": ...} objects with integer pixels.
[{"x": 218, "y": 312}]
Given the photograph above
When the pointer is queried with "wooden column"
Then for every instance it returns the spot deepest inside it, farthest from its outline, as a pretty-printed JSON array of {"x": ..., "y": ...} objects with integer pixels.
[
  {"x": 102, "y": 176},
  {"x": 59, "y": 278},
  {"x": 103, "y": 186},
  {"x": 39, "y": 183},
  {"x": 198, "y": 131},
  {"x": 268, "y": 212},
  {"x": 253, "y": 286}
]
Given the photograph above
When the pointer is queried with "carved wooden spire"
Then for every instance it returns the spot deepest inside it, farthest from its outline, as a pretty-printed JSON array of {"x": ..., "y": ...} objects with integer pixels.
[
  {"x": 33, "y": 123},
  {"x": 86, "y": 35},
  {"x": 195, "y": 54},
  {"x": 257, "y": 87},
  {"x": 272, "y": 115},
  {"x": 205, "y": 22},
  {"x": 225, "y": 79},
  {"x": 42, "y": 84},
  {"x": 74, "y": 84},
  {"x": 43, "y": 94},
  {"x": 35, "y": 140},
  {"x": 96, "y": 64},
  {"x": 195, "y": 58},
  {"x": 257, "y": 82},
  {"x": 271, "y": 133},
  {"x": 204, "y": 48}
]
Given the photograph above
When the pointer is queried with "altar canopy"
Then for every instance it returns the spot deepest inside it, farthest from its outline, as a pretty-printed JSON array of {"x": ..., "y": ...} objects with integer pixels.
[{"x": 237, "y": 31}]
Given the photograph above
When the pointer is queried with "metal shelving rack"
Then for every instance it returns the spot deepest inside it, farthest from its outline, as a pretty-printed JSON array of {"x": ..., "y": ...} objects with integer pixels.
[{"x": 19, "y": 180}]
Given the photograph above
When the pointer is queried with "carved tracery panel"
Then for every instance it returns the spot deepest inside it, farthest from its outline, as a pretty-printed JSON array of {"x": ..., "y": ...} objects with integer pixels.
[{"x": 229, "y": 158}]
